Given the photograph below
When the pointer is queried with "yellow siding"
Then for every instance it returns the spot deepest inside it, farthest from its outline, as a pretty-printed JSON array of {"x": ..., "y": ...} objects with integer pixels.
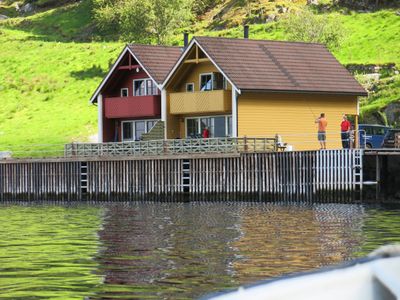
[
  {"x": 173, "y": 127},
  {"x": 293, "y": 117},
  {"x": 200, "y": 102}
]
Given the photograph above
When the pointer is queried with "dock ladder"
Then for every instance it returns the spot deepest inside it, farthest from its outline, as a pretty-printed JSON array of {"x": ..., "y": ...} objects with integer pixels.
[
  {"x": 358, "y": 171},
  {"x": 84, "y": 178},
  {"x": 186, "y": 175}
]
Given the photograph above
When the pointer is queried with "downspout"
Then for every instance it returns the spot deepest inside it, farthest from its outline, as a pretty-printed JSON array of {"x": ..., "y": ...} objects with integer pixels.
[
  {"x": 234, "y": 113},
  {"x": 100, "y": 118},
  {"x": 164, "y": 110}
]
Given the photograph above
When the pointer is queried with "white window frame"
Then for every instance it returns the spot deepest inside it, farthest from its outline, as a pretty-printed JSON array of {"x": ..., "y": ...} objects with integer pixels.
[
  {"x": 188, "y": 84},
  {"x": 212, "y": 81},
  {"x": 146, "y": 92},
  {"x": 154, "y": 85},
  {"x": 203, "y": 117},
  {"x": 134, "y": 128},
  {"x": 127, "y": 92},
  {"x": 145, "y": 87}
]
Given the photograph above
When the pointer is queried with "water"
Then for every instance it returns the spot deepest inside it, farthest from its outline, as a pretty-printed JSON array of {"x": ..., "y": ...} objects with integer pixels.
[{"x": 175, "y": 250}]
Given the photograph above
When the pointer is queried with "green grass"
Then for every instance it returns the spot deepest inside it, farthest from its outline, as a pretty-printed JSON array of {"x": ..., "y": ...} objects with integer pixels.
[
  {"x": 49, "y": 69},
  {"x": 45, "y": 88},
  {"x": 372, "y": 38}
]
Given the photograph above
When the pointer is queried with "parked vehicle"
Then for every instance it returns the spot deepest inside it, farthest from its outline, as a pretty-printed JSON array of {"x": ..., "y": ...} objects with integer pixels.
[
  {"x": 372, "y": 135},
  {"x": 389, "y": 139}
]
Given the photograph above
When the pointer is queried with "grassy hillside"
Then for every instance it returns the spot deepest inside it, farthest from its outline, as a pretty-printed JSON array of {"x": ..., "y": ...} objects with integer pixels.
[
  {"x": 49, "y": 69},
  {"x": 46, "y": 79}
]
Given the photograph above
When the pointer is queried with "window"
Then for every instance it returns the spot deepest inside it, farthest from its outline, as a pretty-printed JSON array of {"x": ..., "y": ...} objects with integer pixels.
[
  {"x": 127, "y": 131},
  {"x": 218, "y": 81},
  {"x": 212, "y": 81},
  {"x": 133, "y": 130},
  {"x": 150, "y": 125},
  {"x": 140, "y": 128},
  {"x": 229, "y": 125},
  {"x": 124, "y": 92},
  {"x": 143, "y": 87},
  {"x": 192, "y": 126},
  {"x": 379, "y": 131},
  {"x": 219, "y": 126},
  {"x": 151, "y": 88},
  {"x": 206, "y": 82},
  {"x": 139, "y": 87},
  {"x": 190, "y": 87}
]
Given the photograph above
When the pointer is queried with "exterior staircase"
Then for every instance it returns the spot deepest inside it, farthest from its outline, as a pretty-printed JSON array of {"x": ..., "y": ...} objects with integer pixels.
[{"x": 156, "y": 133}]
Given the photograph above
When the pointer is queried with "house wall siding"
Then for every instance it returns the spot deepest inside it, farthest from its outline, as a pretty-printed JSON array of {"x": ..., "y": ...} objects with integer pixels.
[{"x": 293, "y": 117}]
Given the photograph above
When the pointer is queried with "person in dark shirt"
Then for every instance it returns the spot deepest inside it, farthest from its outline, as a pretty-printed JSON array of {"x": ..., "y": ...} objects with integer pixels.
[{"x": 345, "y": 127}]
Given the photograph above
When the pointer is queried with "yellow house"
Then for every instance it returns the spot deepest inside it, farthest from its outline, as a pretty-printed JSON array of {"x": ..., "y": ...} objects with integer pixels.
[{"x": 258, "y": 88}]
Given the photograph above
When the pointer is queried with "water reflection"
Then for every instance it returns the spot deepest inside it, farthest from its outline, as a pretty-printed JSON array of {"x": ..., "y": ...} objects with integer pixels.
[
  {"x": 176, "y": 250},
  {"x": 46, "y": 252}
]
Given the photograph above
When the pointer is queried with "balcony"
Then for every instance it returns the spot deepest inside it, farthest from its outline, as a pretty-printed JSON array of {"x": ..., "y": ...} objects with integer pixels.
[
  {"x": 218, "y": 101},
  {"x": 132, "y": 107}
]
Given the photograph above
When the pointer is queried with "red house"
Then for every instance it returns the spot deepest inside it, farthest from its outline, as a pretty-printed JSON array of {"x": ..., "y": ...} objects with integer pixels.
[{"x": 129, "y": 97}]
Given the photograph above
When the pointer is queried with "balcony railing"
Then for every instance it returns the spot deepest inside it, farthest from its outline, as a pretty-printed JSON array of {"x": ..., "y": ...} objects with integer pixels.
[
  {"x": 172, "y": 147},
  {"x": 201, "y": 102},
  {"x": 132, "y": 107}
]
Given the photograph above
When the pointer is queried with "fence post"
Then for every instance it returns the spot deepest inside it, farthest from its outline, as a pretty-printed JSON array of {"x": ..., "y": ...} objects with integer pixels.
[
  {"x": 164, "y": 147},
  {"x": 276, "y": 141},
  {"x": 246, "y": 147},
  {"x": 397, "y": 140}
]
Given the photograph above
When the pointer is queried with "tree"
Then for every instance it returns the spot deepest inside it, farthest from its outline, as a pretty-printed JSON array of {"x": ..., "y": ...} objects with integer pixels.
[
  {"x": 308, "y": 27},
  {"x": 142, "y": 21},
  {"x": 167, "y": 16}
]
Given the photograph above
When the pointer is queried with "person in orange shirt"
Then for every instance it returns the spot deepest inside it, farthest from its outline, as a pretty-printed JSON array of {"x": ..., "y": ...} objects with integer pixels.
[{"x": 322, "y": 124}]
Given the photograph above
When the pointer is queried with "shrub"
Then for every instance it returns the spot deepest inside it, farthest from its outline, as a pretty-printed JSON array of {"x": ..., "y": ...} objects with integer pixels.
[{"x": 305, "y": 26}]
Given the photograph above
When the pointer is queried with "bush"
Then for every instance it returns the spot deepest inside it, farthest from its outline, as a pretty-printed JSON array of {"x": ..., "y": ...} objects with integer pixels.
[
  {"x": 142, "y": 21},
  {"x": 305, "y": 26}
]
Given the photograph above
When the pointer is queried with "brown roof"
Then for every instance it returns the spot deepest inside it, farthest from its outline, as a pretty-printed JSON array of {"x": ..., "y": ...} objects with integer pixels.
[
  {"x": 280, "y": 66},
  {"x": 157, "y": 60}
]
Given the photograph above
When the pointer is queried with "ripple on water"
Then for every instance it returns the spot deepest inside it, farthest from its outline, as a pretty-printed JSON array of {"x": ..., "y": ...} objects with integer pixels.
[{"x": 176, "y": 250}]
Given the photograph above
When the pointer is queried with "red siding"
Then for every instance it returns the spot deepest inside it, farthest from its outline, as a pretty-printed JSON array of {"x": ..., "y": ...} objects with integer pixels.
[{"x": 133, "y": 107}]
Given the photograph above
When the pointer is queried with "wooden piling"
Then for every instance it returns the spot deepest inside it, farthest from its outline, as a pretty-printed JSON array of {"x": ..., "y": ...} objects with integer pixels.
[{"x": 292, "y": 176}]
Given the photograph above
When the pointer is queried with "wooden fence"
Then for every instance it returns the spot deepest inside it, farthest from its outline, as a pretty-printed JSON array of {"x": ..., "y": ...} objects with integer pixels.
[{"x": 331, "y": 175}]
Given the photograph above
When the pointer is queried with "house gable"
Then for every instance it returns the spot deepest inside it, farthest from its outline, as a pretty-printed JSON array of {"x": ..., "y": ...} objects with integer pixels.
[
  {"x": 193, "y": 55},
  {"x": 155, "y": 61}
]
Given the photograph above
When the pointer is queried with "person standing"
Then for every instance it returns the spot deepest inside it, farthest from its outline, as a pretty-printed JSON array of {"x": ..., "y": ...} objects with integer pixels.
[
  {"x": 206, "y": 133},
  {"x": 345, "y": 127},
  {"x": 322, "y": 124}
]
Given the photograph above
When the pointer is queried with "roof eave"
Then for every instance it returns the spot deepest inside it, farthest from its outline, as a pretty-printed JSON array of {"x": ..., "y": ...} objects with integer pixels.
[
  {"x": 360, "y": 94},
  {"x": 93, "y": 99}
]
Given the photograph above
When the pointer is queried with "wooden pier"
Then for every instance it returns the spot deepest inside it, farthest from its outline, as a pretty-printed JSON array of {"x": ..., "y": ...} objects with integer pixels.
[{"x": 326, "y": 176}]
